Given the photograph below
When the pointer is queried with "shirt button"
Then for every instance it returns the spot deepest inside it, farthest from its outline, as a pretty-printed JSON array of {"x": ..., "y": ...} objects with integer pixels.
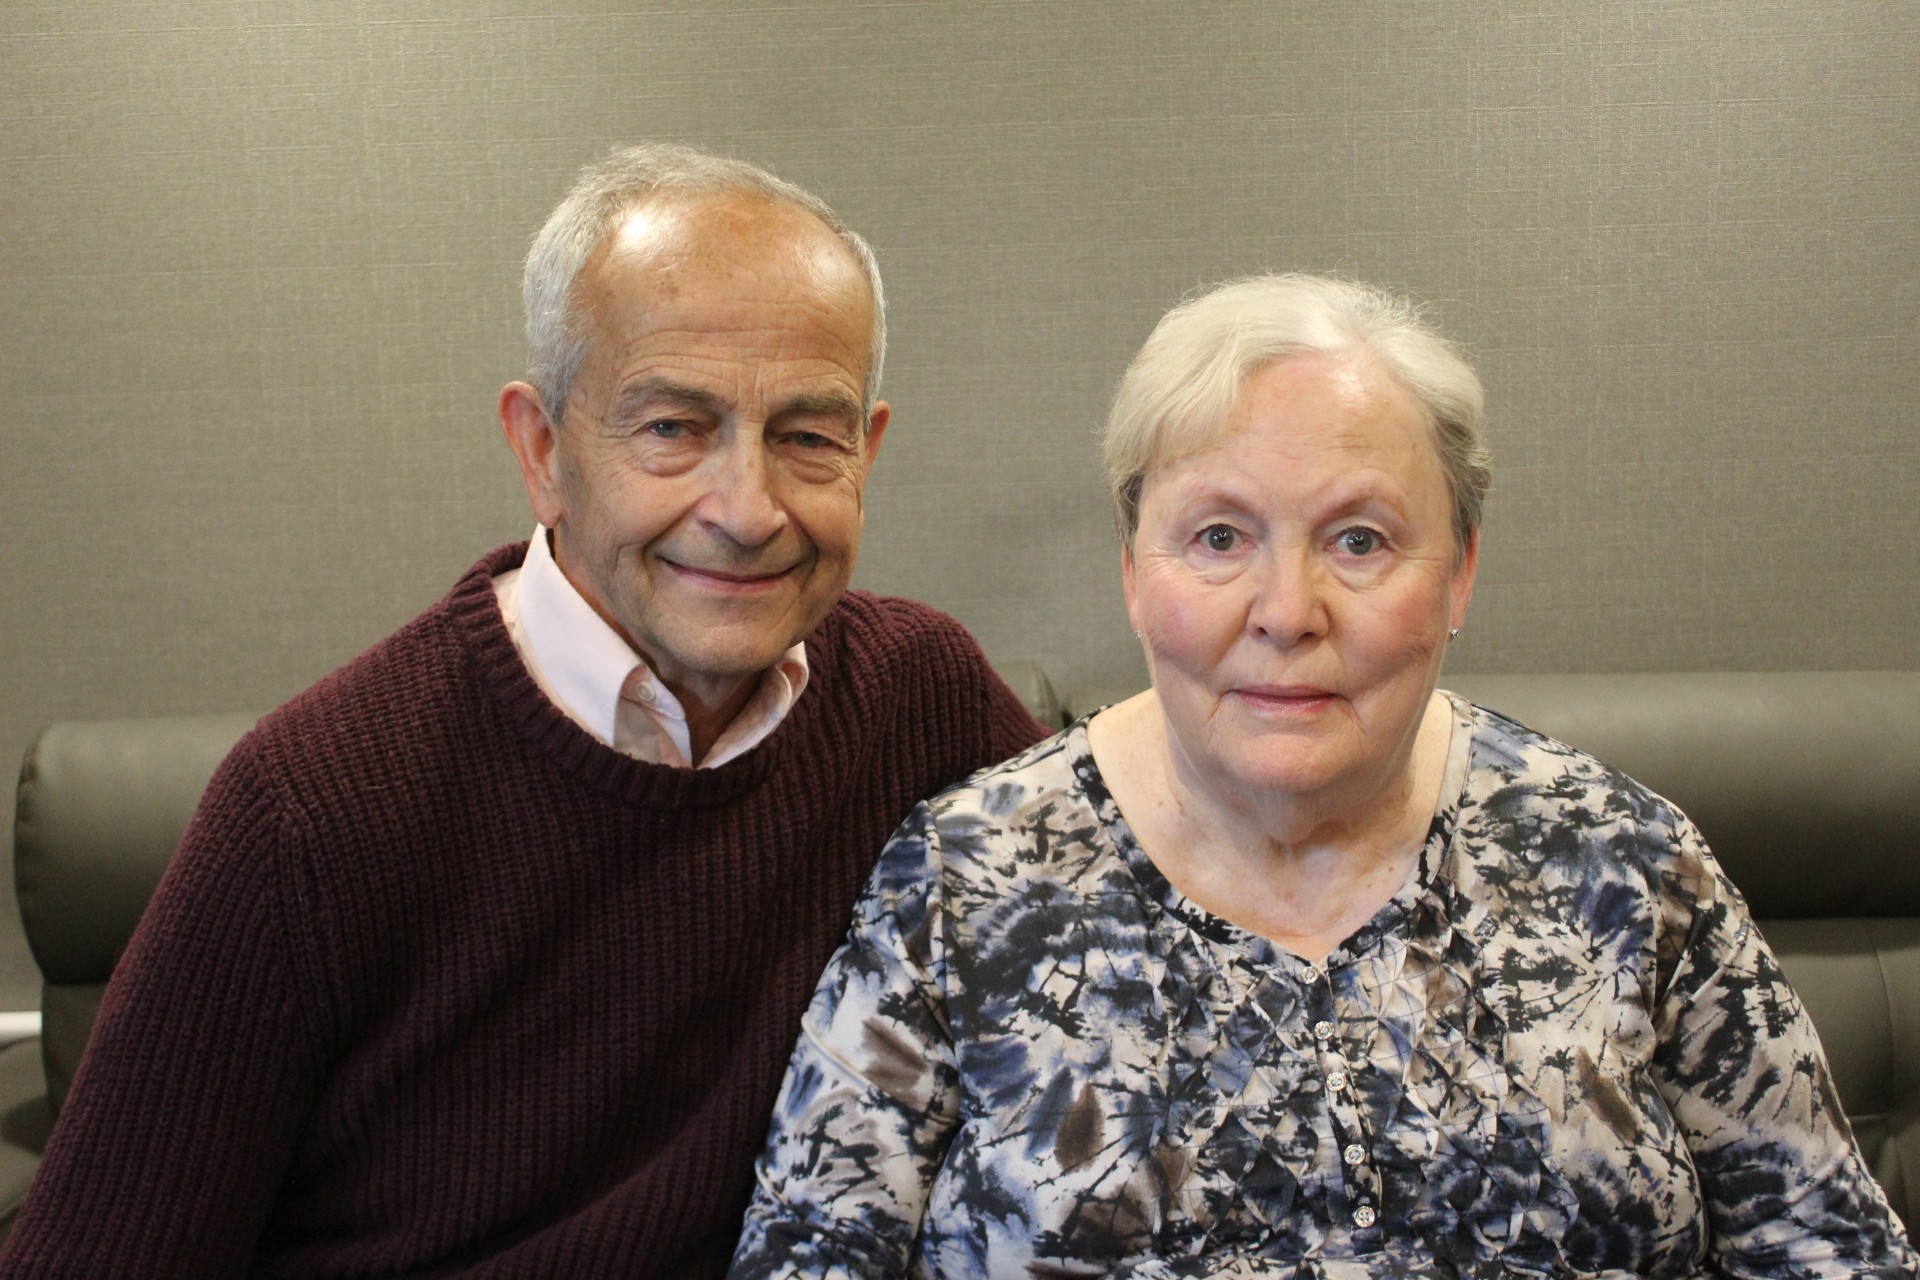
[
  {"x": 1354, "y": 1153},
  {"x": 1337, "y": 1081},
  {"x": 1363, "y": 1216},
  {"x": 1323, "y": 1031},
  {"x": 1309, "y": 974}
]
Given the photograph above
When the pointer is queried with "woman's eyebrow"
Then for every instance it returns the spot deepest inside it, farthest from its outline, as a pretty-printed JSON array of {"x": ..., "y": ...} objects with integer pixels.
[{"x": 1360, "y": 488}]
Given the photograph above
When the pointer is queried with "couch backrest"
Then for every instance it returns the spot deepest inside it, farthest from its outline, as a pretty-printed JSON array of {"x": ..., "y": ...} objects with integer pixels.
[
  {"x": 101, "y": 807},
  {"x": 1807, "y": 785}
]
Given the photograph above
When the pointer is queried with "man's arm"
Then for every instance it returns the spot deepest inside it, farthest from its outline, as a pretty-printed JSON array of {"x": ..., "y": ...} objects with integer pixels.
[
  {"x": 177, "y": 1134},
  {"x": 959, "y": 697}
]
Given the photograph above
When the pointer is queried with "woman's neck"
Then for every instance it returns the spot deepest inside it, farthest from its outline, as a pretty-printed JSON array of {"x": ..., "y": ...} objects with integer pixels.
[{"x": 1302, "y": 871}]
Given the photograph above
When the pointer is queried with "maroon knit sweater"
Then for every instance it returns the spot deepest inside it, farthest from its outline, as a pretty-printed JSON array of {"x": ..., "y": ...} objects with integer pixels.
[{"x": 438, "y": 985}]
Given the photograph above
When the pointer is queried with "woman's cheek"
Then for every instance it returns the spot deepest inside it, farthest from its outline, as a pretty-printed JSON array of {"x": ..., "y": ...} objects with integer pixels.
[
  {"x": 1414, "y": 621},
  {"x": 1186, "y": 619}
]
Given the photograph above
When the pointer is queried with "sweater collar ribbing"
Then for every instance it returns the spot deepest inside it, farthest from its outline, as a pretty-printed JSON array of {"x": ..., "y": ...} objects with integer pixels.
[{"x": 473, "y": 612}]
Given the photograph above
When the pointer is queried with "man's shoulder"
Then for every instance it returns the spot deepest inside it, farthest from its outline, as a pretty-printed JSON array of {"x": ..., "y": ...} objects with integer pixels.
[
  {"x": 876, "y": 633},
  {"x": 892, "y": 619},
  {"x": 416, "y": 678}
]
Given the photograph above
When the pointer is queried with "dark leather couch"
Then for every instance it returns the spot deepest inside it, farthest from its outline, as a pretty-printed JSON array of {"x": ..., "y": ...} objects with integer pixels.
[{"x": 1807, "y": 785}]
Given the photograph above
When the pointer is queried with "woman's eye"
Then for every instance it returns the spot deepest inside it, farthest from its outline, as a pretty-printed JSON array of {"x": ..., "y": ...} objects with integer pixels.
[
  {"x": 1219, "y": 537},
  {"x": 1359, "y": 541}
]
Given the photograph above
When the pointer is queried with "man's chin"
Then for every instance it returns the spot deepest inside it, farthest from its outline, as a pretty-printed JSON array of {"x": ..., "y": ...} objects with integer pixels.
[{"x": 714, "y": 656}]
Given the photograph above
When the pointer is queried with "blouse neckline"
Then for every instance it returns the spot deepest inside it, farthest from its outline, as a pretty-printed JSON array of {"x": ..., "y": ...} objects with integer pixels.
[{"x": 1433, "y": 867}]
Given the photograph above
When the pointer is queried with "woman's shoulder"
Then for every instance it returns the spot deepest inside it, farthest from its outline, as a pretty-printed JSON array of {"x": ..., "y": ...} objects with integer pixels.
[
  {"x": 1035, "y": 814},
  {"x": 1520, "y": 766},
  {"x": 1552, "y": 843},
  {"x": 1044, "y": 771},
  {"x": 1534, "y": 799}
]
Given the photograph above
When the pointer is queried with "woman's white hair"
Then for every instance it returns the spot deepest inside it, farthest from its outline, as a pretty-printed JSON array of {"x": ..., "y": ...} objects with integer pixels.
[
  {"x": 601, "y": 196},
  {"x": 1181, "y": 390}
]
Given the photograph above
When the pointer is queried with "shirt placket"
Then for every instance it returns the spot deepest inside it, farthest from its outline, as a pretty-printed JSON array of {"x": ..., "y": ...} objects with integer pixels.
[{"x": 1356, "y": 1209}]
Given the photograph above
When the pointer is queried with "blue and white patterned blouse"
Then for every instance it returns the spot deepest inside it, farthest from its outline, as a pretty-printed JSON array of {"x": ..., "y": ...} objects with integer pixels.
[{"x": 1562, "y": 1049}]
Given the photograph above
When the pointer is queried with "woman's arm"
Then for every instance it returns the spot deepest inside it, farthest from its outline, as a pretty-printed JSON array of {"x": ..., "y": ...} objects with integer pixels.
[
  {"x": 1740, "y": 1064},
  {"x": 869, "y": 1104}
]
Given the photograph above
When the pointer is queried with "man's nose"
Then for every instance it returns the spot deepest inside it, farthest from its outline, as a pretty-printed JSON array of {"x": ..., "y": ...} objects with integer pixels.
[
  {"x": 743, "y": 500},
  {"x": 1290, "y": 600}
]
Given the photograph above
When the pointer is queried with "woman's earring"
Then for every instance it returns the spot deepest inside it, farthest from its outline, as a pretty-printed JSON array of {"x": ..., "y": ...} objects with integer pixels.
[{"x": 1453, "y": 633}]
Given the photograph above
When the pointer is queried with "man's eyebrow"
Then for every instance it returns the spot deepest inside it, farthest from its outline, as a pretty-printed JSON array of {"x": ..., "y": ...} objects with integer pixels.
[
  {"x": 637, "y": 395},
  {"x": 823, "y": 404},
  {"x": 650, "y": 390}
]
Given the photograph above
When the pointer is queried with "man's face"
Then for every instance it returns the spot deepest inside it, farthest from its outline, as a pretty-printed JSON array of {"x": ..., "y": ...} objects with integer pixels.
[{"x": 703, "y": 482}]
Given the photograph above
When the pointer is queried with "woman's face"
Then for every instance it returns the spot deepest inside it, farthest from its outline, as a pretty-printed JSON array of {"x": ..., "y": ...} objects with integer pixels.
[{"x": 1293, "y": 584}]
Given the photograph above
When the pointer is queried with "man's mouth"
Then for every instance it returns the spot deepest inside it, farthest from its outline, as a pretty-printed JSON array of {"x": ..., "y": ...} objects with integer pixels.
[{"x": 731, "y": 579}]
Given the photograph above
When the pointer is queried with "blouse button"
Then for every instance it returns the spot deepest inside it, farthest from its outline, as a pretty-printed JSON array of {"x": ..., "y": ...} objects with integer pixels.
[
  {"x": 1363, "y": 1216},
  {"x": 1337, "y": 1081},
  {"x": 1323, "y": 1031},
  {"x": 1354, "y": 1153},
  {"x": 1309, "y": 974}
]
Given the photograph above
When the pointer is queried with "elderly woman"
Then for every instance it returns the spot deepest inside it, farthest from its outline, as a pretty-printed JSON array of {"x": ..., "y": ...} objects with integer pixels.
[{"x": 1293, "y": 965}]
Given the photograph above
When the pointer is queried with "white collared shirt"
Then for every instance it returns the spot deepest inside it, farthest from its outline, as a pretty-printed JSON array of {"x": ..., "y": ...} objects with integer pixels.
[{"x": 587, "y": 670}]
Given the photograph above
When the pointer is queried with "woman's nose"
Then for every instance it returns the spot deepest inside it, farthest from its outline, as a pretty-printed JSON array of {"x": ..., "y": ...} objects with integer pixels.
[{"x": 1289, "y": 603}]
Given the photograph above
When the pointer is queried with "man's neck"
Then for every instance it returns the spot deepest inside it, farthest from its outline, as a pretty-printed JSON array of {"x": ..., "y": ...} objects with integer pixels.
[
  {"x": 588, "y": 669},
  {"x": 710, "y": 710}
]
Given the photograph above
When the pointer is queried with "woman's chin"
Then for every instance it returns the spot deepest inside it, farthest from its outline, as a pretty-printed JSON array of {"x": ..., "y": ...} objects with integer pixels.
[{"x": 1282, "y": 771}]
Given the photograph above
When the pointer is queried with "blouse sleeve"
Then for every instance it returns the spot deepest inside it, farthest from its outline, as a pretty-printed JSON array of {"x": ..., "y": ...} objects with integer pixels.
[
  {"x": 1741, "y": 1067},
  {"x": 869, "y": 1105}
]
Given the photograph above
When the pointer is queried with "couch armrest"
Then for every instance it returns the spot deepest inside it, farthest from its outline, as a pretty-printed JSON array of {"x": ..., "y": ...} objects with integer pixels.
[{"x": 25, "y": 1120}]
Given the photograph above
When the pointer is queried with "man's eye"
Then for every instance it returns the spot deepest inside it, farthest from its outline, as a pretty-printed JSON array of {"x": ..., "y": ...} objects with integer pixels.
[
  {"x": 667, "y": 429},
  {"x": 1219, "y": 537},
  {"x": 1360, "y": 541},
  {"x": 810, "y": 439}
]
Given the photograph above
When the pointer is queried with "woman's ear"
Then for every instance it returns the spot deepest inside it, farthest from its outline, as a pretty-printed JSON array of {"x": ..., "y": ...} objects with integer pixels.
[{"x": 1461, "y": 588}]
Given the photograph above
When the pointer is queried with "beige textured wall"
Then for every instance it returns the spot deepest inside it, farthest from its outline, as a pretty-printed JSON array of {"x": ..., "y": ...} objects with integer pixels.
[{"x": 260, "y": 260}]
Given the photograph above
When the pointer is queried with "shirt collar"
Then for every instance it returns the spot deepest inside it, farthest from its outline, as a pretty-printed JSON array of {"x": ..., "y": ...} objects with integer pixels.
[{"x": 584, "y": 665}]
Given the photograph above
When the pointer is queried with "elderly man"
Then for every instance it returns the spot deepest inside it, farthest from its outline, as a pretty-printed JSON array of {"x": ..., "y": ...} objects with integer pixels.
[{"x": 483, "y": 957}]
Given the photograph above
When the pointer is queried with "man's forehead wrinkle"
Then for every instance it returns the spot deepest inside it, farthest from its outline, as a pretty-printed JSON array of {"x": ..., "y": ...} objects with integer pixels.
[
  {"x": 655, "y": 291},
  {"x": 729, "y": 234},
  {"x": 726, "y": 295}
]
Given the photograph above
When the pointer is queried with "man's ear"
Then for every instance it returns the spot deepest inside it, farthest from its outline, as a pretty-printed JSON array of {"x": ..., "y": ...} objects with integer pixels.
[
  {"x": 535, "y": 442},
  {"x": 876, "y": 428}
]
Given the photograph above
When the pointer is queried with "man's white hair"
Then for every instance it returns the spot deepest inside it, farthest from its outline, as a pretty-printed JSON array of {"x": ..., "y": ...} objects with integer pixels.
[
  {"x": 1180, "y": 391},
  {"x": 557, "y": 334}
]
